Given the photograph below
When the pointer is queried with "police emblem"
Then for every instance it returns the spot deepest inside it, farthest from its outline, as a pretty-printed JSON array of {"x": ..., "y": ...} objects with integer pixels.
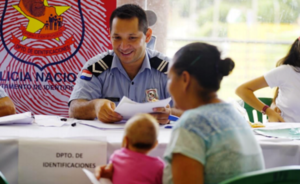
[
  {"x": 152, "y": 95},
  {"x": 43, "y": 46},
  {"x": 41, "y": 31}
]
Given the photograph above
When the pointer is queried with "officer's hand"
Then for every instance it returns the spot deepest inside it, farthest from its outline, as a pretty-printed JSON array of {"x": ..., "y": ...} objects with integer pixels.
[
  {"x": 162, "y": 114},
  {"x": 104, "y": 110},
  {"x": 105, "y": 171}
]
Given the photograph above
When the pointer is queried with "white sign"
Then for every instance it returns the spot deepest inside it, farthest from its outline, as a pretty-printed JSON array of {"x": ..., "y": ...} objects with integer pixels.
[{"x": 50, "y": 161}]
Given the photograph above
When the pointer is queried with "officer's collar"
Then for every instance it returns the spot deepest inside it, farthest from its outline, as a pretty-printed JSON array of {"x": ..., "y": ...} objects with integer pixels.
[{"x": 116, "y": 63}]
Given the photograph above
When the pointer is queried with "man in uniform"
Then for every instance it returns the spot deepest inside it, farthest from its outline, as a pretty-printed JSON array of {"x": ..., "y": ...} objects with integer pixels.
[
  {"x": 128, "y": 70},
  {"x": 7, "y": 107}
]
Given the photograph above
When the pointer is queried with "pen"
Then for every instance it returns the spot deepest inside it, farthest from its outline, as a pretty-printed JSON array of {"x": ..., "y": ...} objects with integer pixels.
[
  {"x": 173, "y": 118},
  {"x": 168, "y": 127}
]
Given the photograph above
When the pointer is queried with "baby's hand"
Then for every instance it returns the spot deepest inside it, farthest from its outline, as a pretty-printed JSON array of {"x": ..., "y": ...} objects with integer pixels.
[{"x": 105, "y": 171}]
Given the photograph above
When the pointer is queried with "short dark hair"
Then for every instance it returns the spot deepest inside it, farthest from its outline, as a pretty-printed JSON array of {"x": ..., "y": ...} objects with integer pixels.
[
  {"x": 203, "y": 61},
  {"x": 129, "y": 11}
]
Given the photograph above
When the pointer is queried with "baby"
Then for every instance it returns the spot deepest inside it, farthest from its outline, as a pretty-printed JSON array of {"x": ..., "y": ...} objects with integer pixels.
[{"x": 131, "y": 164}]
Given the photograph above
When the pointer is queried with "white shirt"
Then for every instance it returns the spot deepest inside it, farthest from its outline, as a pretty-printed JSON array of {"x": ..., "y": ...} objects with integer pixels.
[{"x": 288, "y": 81}]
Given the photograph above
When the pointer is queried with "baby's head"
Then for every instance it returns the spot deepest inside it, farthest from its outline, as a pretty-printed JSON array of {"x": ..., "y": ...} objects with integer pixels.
[{"x": 141, "y": 132}]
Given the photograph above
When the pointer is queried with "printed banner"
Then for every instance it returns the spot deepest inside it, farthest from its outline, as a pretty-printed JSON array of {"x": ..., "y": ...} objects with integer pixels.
[{"x": 43, "y": 47}]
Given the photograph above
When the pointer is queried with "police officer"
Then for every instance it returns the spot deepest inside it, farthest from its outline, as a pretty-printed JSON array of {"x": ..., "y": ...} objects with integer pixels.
[
  {"x": 129, "y": 70},
  {"x": 7, "y": 107}
]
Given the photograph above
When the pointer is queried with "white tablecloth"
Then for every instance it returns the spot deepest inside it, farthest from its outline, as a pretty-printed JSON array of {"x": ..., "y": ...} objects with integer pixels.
[
  {"x": 9, "y": 136},
  {"x": 276, "y": 152}
]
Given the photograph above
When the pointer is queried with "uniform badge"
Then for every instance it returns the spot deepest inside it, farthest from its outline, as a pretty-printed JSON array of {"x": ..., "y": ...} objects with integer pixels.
[
  {"x": 151, "y": 95},
  {"x": 86, "y": 75}
]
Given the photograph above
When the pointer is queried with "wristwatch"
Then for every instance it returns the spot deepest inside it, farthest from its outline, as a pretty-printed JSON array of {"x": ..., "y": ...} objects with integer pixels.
[{"x": 263, "y": 111}]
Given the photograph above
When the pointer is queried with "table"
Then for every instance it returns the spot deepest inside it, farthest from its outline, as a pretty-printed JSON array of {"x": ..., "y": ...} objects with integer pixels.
[
  {"x": 276, "y": 152},
  {"x": 9, "y": 136}
]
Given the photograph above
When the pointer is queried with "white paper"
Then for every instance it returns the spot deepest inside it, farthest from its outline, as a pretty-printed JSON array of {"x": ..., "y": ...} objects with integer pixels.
[
  {"x": 51, "y": 121},
  {"x": 94, "y": 180},
  {"x": 128, "y": 108},
  {"x": 100, "y": 125},
  {"x": 23, "y": 118}
]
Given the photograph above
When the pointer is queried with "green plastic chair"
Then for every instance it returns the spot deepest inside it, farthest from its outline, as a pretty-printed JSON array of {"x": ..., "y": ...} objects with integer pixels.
[
  {"x": 2, "y": 179},
  {"x": 267, "y": 101},
  {"x": 279, "y": 175}
]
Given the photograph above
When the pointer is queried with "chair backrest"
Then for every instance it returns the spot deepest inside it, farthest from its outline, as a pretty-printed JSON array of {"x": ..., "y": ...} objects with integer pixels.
[
  {"x": 3, "y": 179},
  {"x": 249, "y": 109},
  {"x": 279, "y": 175}
]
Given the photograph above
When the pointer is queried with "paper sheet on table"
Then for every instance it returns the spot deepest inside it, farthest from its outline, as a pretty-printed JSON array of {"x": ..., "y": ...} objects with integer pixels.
[
  {"x": 128, "y": 108},
  {"x": 94, "y": 180},
  {"x": 100, "y": 125},
  {"x": 23, "y": 118},
  {"x": 280, "y": 130},
  {"x": 282, "y": 125},
  {"x": 51, "y": 121}
]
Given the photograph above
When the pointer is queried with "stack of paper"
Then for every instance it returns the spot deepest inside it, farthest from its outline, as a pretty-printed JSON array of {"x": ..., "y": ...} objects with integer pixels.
[
  {"x": 128, "y": 108},
  {"x": 24, "y": 118}
]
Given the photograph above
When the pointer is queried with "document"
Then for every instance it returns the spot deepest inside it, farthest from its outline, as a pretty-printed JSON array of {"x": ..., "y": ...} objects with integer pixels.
[
  {"x": 94, "y": 180},
  {"x": 100, "y": 125},
  {"x": 128, "y": 108},
  {"x": 23, "y": 118}
]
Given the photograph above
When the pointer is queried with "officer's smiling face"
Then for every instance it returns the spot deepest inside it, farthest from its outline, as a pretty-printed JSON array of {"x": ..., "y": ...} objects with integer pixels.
[{"x": 128, "y": 42}]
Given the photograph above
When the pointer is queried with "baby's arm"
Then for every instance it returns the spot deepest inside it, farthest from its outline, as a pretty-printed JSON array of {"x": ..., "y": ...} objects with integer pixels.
[{"x": 105, "y": 171}]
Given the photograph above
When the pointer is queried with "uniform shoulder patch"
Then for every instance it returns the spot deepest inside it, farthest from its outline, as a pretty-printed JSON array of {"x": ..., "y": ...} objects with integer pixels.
[
  {"x": 159, "y": 64},
  {"x": 86, "y": 75},
  {"x": 100, "y": 66}
]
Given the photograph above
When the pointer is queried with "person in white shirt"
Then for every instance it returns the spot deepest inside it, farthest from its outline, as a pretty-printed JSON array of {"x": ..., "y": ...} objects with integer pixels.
[
  {"x": 287, "y": 78},
  {"x": 7, "y": 106}
]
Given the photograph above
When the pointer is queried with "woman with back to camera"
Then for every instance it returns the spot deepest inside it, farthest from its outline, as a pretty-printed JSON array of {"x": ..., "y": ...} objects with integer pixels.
[
  {"x": 287, "y": 78},
  {"x": 211, "y": 141}
]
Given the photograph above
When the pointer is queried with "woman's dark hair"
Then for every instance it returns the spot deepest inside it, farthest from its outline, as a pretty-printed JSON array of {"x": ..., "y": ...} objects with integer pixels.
[
  {"x": 203, "y": 62},
  {"x": 293, "y": 56},
  {"x": 129, "y": 11}
]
